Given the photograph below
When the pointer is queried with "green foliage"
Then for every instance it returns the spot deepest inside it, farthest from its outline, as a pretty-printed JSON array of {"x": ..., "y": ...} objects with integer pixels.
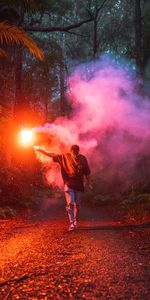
[
  {"x": 59, "y": 6},
  {"x": 5, "y": 119},
  {"x": 7, "y": 212},
  {"x": 19, "y": 187},
  {"x": 45, "y": 86},
  {"x": 138, "y": 209},
  {"x": 53, "y": 51},
  {"x": 26, "y": 4},
  {"x": 146, "y": 36},
  {"x": 134, "y": 204}
]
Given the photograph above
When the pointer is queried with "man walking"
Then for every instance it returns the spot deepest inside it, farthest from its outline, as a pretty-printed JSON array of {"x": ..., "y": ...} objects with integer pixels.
[{"x": 74, "y": 167}]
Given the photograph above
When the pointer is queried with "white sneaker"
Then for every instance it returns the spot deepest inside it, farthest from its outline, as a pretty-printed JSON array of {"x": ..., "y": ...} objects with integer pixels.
[
  {"x": 75, "y": 224},
  {"x": 72, "y": 227}
]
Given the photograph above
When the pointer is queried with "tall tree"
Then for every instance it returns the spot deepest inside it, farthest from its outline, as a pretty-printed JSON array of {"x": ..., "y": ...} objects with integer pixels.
[
  {"x": 97, "y": 8},
  {"x": 9, "y": 35},
  {"x": 138, "y": 37},
  {"x": 146, "y": 38}
]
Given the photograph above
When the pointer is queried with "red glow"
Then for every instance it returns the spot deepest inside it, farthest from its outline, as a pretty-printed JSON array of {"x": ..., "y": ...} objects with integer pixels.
[{"x": 26, "y": 136}]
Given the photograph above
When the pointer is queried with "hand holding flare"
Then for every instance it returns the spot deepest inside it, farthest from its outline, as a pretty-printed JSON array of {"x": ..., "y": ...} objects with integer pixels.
[{"x": 37, "y": 148}]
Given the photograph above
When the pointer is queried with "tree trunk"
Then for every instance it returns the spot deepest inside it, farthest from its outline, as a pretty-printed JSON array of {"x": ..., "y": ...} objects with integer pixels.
[
  {"x": 138, "y": 37},
  {"x": 19, "y": 105},
  {"x": 95, "y": 46},
  {"x": 18, "y": 81},
  {"x": 50, "y": 112},
  {"x": 62, "y": 91}
]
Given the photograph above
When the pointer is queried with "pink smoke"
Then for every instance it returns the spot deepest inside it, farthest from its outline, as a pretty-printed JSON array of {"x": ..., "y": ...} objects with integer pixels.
[{"x": 110, "y": 120}]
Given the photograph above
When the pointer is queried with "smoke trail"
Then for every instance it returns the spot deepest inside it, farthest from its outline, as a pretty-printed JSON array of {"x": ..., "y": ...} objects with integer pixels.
[{"x": 110, "y": 120}]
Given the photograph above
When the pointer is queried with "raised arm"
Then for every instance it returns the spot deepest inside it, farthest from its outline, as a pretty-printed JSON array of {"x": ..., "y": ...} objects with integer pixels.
[{"x": 44, "y": 151}]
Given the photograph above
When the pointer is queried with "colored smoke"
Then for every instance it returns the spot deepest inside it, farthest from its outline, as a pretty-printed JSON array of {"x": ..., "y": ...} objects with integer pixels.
[{"x": 110, "y": 121}]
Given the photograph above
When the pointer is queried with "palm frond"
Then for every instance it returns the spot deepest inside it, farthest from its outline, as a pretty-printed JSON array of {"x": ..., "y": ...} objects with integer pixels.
[
  {"x": 11, "y": 34},
  {"x": 2, "y": 53}
]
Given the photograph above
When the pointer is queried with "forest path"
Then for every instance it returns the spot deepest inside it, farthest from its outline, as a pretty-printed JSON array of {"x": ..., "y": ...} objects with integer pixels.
[{"x": 103, "y": 259}]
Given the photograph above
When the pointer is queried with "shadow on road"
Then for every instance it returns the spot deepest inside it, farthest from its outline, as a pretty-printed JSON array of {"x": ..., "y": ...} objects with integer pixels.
[{"x": 116, "y": 227}]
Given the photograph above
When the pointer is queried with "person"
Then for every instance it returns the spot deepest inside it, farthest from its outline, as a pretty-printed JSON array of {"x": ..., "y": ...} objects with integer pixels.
[{"x": 74, "y": 169}]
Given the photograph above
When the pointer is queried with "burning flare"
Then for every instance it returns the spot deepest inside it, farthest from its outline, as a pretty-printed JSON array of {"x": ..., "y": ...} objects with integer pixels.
[{"x": 26, "y": 136}]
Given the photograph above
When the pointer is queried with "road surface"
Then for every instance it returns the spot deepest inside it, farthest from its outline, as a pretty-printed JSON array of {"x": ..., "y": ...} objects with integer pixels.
[{"x": 103, "y": 259}]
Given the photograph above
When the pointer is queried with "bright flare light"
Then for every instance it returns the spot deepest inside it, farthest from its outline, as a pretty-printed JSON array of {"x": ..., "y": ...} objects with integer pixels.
[{"x": 26, "y": 136}]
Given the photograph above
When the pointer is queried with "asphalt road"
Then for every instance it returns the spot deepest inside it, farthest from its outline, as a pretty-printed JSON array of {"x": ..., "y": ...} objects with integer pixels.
[{"x": 103, "y": 259}]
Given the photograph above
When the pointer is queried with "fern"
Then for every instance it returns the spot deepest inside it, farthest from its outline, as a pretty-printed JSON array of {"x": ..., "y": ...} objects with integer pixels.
[
  {"x": 11, "y": 34},
  {"x": 2, "y": 53}
]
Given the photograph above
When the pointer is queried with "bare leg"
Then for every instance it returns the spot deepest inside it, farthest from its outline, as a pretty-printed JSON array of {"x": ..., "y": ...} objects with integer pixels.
[
  {"x": 70, "y": 210},
  {"x": 77, "y": 205},
  {"x": 70, "y": 200},
  {"x": 76, "y": 212}
]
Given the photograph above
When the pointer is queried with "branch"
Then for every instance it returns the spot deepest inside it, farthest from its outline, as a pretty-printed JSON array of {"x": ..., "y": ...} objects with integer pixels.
[
  {"x": 101, "y": 6},
  {"x": 94, "y": 16},
  {"x": 77, "y": 34},
  {"x": 62, "y": 29},
  {"x": 90, "y": 13}
]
